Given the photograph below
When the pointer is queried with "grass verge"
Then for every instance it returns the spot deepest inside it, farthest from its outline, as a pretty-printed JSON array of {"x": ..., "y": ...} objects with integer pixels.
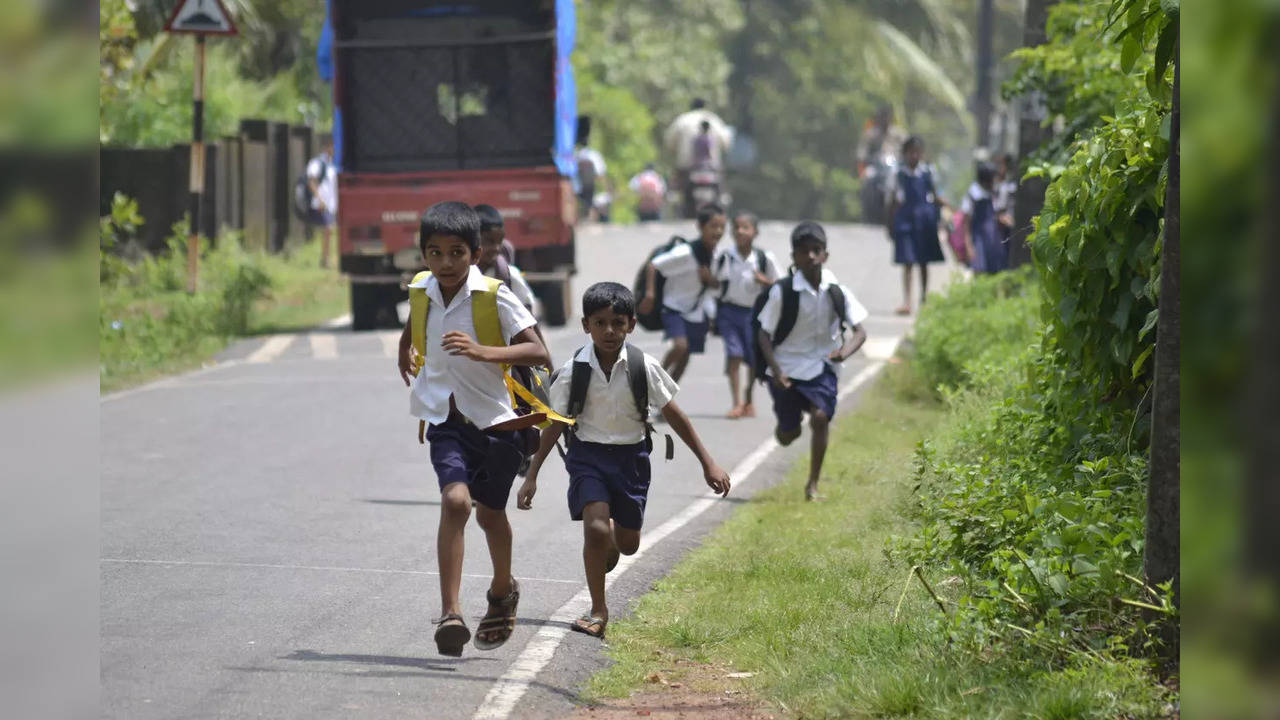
[
  {"x": 804, "y": 596},
  {"x": 150, "y": 327}
]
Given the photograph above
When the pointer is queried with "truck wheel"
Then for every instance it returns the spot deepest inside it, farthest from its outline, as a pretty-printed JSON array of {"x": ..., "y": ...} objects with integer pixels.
[
  {"x": 552, "y": 296},
  {"x": 366, "y": 299}
]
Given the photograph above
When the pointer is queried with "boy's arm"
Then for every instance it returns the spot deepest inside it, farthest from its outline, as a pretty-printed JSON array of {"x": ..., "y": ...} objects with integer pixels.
[
  {"x": 715, "y": 476},
  {"x": 526, "y": 348},
  {"x": 766, "y": 349},
  {"x": 408, "y": 368},
  {"x": 550, "y": 434},
  {"x": 650, "y": 283},
  {"x": 852, "y": 345}
]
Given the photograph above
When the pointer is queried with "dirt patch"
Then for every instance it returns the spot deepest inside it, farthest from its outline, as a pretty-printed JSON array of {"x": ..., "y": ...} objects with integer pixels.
[{"x": 685, "y": 691}]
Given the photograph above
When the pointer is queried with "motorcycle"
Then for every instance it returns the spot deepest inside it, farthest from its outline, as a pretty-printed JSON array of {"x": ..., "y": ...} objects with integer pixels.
[{"x": 703, "y": 187}]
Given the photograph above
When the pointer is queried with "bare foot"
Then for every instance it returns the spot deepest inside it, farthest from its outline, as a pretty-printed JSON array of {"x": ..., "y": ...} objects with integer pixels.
[
  {"x": 902, "y": 310},
  {"x": 748, "y": 410},
  {"x": 735, "y": 413},
  {"x": 811, "y": 493}
]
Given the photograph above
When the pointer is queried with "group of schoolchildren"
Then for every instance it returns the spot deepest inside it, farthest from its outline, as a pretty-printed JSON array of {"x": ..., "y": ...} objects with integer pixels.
[
  {"x": 470, "y": 324},
  {"x": 982, "y": 225}
]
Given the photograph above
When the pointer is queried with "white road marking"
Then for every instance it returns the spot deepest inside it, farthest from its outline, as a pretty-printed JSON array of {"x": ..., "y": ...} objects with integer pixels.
[
  {"x": 339, "y": 322},
  {"x": 324, "y": 346},
  {"x": 325, "y": 568},
  {"x": 501, "y": 699},
  {"x": 271, "y": 349},
  {"x": 880, "y": 348},
  {"x": 390, "y": 344}
]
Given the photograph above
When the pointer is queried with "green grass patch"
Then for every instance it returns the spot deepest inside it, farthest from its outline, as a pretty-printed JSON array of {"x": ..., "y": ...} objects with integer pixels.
[
  {"x": 804, "y": 595},
  {"x": 149, "y": 326}
]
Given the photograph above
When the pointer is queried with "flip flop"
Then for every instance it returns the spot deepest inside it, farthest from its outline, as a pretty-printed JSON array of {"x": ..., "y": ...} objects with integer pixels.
[
  {"x": 451, "y": 635},
  {"x": 500, "y": 621},
  {"x": 588, "y": 625}
]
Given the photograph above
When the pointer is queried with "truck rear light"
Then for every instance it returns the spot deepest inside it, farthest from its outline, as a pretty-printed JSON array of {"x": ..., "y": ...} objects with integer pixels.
[{"x": 364, "y": 232}]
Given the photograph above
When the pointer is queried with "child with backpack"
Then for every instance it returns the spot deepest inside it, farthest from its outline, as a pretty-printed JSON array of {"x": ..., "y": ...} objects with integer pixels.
[
  {"x": 607, "y": 388},
  {"x": 801, "y": 324},
  {"x": 686, "y": 268},
  {"x": 985, "y": 242},
  {"x": 493, "y": 260},
  {"x": 463, "y": 330},
  {"x": 743, "y": 271}
]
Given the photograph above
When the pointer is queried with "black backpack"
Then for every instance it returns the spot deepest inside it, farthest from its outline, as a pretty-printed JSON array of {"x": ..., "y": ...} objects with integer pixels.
[
  {"x": 652, "y": 320},
  {"x": 637, "y": 379},
  {"x": 302, "y": 194},
  {"x": 787, "y": 319}
]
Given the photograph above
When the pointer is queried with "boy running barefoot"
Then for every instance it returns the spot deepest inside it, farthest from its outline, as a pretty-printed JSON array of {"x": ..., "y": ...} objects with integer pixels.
[
  {"x": 608, "y": 458},
  {"x": 744, "y": 271},
  {"x": 802, "y": 328},
  {"x": 458, "y": 390}
]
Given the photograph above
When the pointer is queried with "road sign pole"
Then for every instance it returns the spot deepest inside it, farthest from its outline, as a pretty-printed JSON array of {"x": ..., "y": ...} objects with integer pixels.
[{"x": 197, "y": 168}]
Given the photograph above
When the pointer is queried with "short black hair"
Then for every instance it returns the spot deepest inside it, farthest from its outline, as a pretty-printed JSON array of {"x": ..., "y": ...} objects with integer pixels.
[
  {"x": 808, "y": 230},
  {"x": 750, "y": 216},
  {"x": 490, "y": 218},
  {"x": 708, "y": 211},
  {"x": 986, "y": 173},
  {"x": 450, "y": 218},
  {"x": 697, "y": 104},
  {"x": 612, "y": 295},
  {"x": 704, "y": 125},
  {"x": 913, "y": 140}
]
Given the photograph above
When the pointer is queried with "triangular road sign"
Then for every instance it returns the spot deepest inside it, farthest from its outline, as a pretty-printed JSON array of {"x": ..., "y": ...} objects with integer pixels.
[{"x": 202, "y": 17}]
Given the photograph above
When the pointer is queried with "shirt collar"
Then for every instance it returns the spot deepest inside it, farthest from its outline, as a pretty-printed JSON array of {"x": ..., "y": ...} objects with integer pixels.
[
  {"x": 799, "y": 283},
  {"x": 587, "y": 354},
  {"x": 475, "y": 282}
]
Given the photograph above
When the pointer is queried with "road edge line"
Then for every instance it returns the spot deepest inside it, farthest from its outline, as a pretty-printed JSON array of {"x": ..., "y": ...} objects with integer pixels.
[{"x": 507, "y": 690}]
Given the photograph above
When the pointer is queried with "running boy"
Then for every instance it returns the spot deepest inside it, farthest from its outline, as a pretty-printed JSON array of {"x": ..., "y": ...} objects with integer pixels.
[
  {"x": 493, "y": 260},
  {"x": 687, "y": 269},
  {"x": 459, "y": 391},
  {"x": 802, "y": 328},
  {"x": 743, "y": 271},
  {"x": 608, "y": 458}
]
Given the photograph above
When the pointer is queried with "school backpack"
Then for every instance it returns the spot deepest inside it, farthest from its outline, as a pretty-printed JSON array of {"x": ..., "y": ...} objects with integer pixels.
[
  {"x": 637, "y": 379},
  {"x": 528, "y": 387},
  {"x": 302, "y": 195},
  {"x": 649, "y": 190},
  {"x": 787, "y": 318},
  {"x": 586, "y": 178},
  {"x": 652, "y": 320}
]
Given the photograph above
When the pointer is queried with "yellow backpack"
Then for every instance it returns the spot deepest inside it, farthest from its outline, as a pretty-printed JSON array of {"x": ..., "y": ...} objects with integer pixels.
[{"x": 530, "y": 391}]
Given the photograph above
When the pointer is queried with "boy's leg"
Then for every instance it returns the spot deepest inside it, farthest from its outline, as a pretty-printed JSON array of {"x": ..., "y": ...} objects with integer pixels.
[
  {"x": 597, "y": 541},
  {"x": 787, "y": 409},
  {"x": 906, "y": 290},
  {"x": 924, "y": 282},
  {"x": 497, "y": 532},
  {"x": 455, "y": 509},
  {"x": 677, "y": 358},
  {"x": 626, "y": 540},
  {"x": 735, "y": 364},
  {"x": 820, "y": 424}
]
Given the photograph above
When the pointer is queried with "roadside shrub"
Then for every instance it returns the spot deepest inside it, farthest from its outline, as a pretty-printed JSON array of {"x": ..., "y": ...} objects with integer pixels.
[{"x": 974, "y": 326}]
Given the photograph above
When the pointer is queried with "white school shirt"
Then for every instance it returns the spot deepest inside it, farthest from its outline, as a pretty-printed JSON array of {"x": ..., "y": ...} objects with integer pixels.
[
  {"x": 326, "y": 182},
  {"x": 477, "y": 387},
  {"x": 803, "y": 353},
  {"x": 609, "y": 415},
  {"x": 741, "y": 274},
  {"x": 683, "y": 292},
  {"x": 519, "y": 285}
]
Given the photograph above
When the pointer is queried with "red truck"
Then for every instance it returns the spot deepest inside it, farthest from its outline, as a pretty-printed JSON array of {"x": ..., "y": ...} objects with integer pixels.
[{"x": 439, "y": 100}]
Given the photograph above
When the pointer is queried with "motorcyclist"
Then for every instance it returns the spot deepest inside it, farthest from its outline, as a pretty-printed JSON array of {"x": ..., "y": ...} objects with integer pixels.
[{"x": 684, "y": 130}]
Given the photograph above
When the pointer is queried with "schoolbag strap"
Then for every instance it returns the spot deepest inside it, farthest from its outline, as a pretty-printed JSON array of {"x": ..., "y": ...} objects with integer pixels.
[
  {"x": 762, "y": 263},
  {"x": 638, "y": 379},
  {"x": 841, "y": 306},
  {"x": 790, "y": 309}
]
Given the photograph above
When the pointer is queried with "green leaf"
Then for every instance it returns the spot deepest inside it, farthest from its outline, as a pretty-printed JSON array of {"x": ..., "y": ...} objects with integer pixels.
[
  {"x": 1059, "y": 583},
  {"x": 1142, "y": 360},
  {"x": 1164, "y": 48},
  {"x": 1129, "y": 52},
  {"x": 1152, "y": 318}
]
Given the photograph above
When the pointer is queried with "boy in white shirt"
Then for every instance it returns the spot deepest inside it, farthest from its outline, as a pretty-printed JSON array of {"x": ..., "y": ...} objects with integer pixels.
[
  {"x": 460, "y": 392},
  {"x": 687, "y": 270},
  {"x": 493, "y": 263},
  {"x": 802, "y": 328},
  {"x": 744, "y": 271},
  {"x": 608, "y": 457}
]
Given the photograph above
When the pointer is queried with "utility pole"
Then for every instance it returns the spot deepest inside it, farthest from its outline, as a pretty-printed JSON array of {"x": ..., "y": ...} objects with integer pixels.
[
  {"x": 1029, "y": 198},
  {"x": 982, "y": 101}
]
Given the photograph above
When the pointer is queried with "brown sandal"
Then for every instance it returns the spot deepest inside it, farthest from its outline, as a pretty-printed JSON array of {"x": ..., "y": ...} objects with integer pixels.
[
  {"x": 451, "y": 635},
  {"x": 588, "y": 625},
  {"x": 500, "y": 621}
]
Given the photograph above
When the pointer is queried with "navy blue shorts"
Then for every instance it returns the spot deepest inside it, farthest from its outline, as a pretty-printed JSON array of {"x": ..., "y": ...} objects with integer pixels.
[
  {"x": 674, "y": 325},
  {"x": 734, "y": 324},
  {"x": 615, "y": 474},
  {"x": 485, "y": 461},
  {"x": 804, "y": 396}
]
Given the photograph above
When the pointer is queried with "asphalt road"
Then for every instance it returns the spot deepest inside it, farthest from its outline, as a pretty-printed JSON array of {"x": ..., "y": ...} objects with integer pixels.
[{"x": 268, "y": 523}]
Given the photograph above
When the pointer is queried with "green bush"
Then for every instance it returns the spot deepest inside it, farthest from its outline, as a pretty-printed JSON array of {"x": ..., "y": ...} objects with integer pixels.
[{"x": 976, "y": 325}]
